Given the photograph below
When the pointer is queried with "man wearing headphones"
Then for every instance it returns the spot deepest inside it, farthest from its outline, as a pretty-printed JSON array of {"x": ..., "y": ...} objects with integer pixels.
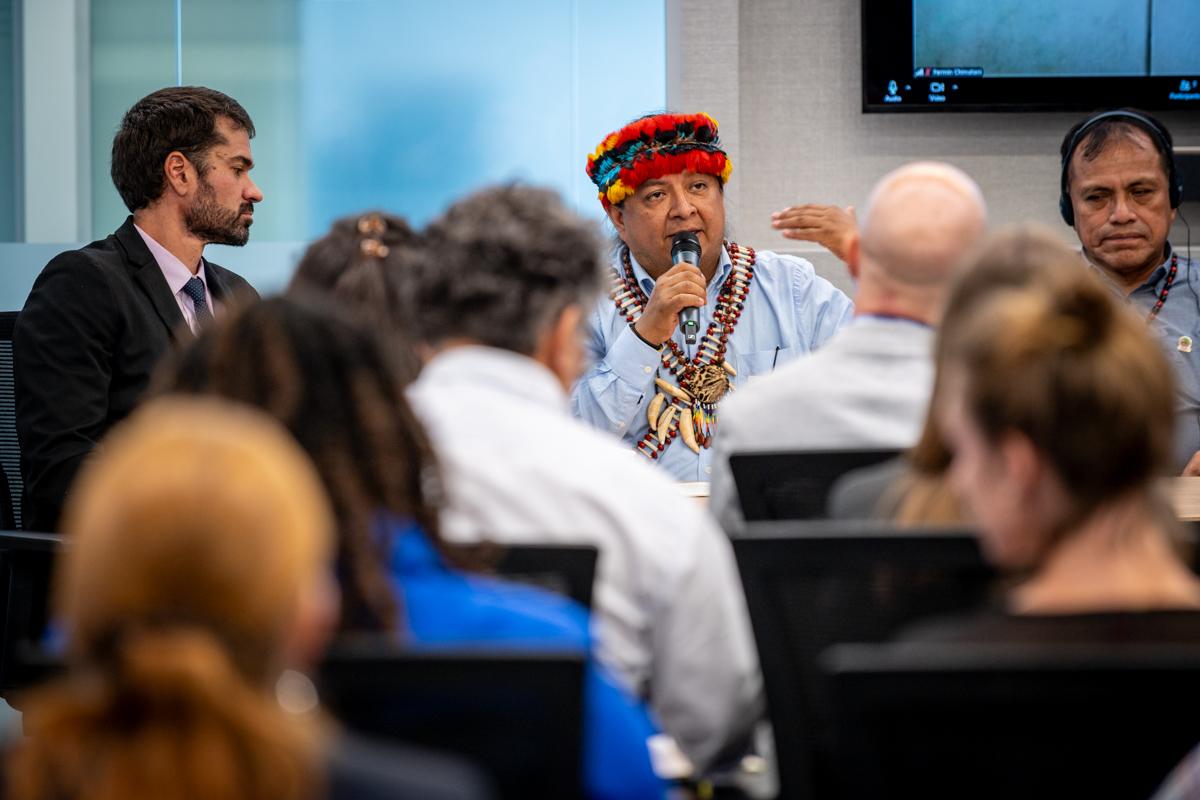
[{"x": 1120, "y": 191}]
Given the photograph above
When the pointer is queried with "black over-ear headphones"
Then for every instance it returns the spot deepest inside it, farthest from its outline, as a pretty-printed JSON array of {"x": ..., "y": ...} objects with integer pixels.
[{"x": 1174, "y": 184}]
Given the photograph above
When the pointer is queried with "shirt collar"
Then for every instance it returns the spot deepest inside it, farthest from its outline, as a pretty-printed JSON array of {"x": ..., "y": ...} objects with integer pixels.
[
  {"x": 1160, "y": 273},
  {"x": 174, "y": 270},
  {"x": 647, "y": 283},
  {"x": 1156, "y": 277},
  {"x": 494, "y": 369},
  {"x": 890, "y": 320}
]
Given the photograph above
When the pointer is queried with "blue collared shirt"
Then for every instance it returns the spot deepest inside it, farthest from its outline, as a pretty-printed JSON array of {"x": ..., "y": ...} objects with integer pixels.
[
  {"x": 789, "y": 311},
  {"x": 1179, "y": 317}
]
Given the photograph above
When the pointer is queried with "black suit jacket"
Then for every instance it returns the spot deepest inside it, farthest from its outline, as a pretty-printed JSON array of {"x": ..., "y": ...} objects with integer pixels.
[{"x": 95, "y": 325}]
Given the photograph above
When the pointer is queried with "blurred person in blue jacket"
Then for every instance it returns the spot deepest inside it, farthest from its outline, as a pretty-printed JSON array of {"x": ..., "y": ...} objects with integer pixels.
[{"x": 333, "y": 384}]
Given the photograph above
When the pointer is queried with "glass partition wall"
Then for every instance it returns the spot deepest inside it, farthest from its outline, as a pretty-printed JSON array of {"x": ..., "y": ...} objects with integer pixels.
[{"x": 357, "y": 103}]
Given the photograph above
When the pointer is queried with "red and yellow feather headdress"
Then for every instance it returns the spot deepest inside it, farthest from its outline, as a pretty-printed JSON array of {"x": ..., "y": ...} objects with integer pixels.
[{"x": 654, "y": 146}]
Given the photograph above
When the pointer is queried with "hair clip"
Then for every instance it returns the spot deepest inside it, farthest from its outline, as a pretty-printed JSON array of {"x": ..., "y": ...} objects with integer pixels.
[
  {"x": 372, "y": 225},
  {"x": 373, "y": 248}
]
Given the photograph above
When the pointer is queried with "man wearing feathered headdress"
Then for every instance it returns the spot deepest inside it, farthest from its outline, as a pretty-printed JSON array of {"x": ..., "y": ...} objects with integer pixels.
[{"x": 658, "y": 177}]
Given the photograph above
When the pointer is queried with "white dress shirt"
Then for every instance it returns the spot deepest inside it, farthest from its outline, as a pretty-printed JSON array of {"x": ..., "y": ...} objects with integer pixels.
[
  {"x": 867, "y": 388},
  {"x": 671, "y": 616},
  {"x": 177, "y": 275}
]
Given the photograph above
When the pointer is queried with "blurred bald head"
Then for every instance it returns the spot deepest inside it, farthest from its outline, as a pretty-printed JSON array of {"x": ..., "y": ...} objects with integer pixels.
[{"x": 921, "y": 223}]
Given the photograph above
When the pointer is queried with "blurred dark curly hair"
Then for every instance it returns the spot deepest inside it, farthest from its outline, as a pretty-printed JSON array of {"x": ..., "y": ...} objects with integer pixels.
[{"x": 500, "y": 265}]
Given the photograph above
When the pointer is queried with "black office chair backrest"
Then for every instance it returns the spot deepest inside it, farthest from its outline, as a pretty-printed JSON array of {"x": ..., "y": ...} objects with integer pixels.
[
  {"x": 794, "y": 485},
  {"x": 10, "y": 448},
  {"x": 517, "y": 714},
  {"x": 569, "y": 570},
  {"x": 1002, "y": 721},
  {"x": 26, "y": 568},
  {"x": 813, "y": 584}
]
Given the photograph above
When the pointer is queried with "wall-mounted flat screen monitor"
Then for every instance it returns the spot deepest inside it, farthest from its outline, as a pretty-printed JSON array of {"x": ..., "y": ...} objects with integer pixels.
[{"x": 1030, "y": 55}]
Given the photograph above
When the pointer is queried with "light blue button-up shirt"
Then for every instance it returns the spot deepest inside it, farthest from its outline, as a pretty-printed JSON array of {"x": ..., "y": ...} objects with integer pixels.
[
  {"x": 1179, "y": 317},
  {"x": 789, "y": 311}
]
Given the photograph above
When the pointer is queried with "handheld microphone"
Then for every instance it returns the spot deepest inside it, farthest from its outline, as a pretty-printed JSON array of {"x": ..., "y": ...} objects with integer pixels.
[{"x": 685, "y": 248}]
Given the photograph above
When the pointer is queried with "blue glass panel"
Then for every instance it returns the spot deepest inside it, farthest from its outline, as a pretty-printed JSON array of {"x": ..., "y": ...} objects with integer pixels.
[
  {"x": 249, "y": 51},
  {"x": 132, "y": 54},
  {"x": 401, "y": 105},
  {"x": 407, "y": 106}
]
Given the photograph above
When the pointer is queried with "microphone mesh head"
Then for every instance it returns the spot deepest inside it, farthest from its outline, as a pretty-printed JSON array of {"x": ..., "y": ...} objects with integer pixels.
[{"x": 685, "y": 242}]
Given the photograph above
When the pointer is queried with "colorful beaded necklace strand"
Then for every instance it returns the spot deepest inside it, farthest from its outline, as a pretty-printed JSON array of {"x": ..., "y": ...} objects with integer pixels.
[
  {"x": 1166, "y": 290},
  {"x": 702, "y": 380}
]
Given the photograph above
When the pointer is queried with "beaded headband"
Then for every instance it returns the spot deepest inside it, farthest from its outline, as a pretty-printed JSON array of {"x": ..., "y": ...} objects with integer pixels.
[{"x": 654, "y": 146}]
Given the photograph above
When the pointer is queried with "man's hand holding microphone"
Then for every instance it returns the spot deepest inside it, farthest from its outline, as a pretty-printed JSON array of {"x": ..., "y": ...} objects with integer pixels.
[{"x": 678, "y": 294}]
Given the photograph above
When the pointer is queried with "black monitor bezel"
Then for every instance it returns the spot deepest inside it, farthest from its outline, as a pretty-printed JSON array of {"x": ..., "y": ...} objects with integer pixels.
[{"x": 886, "y": 43}]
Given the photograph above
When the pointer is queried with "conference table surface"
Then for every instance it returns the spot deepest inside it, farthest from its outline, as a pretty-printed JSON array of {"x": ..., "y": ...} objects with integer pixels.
[{"x": 1184, "y": 494}]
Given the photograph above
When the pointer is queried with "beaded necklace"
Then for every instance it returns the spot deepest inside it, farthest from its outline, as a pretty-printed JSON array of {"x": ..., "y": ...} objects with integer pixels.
[
  {"x": 1162, "y": 296},
  {"x": 687, "y": 408}
]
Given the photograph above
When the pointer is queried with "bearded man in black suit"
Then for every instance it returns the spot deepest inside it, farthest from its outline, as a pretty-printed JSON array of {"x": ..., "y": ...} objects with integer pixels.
[{"x": 99, "y": 319}]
